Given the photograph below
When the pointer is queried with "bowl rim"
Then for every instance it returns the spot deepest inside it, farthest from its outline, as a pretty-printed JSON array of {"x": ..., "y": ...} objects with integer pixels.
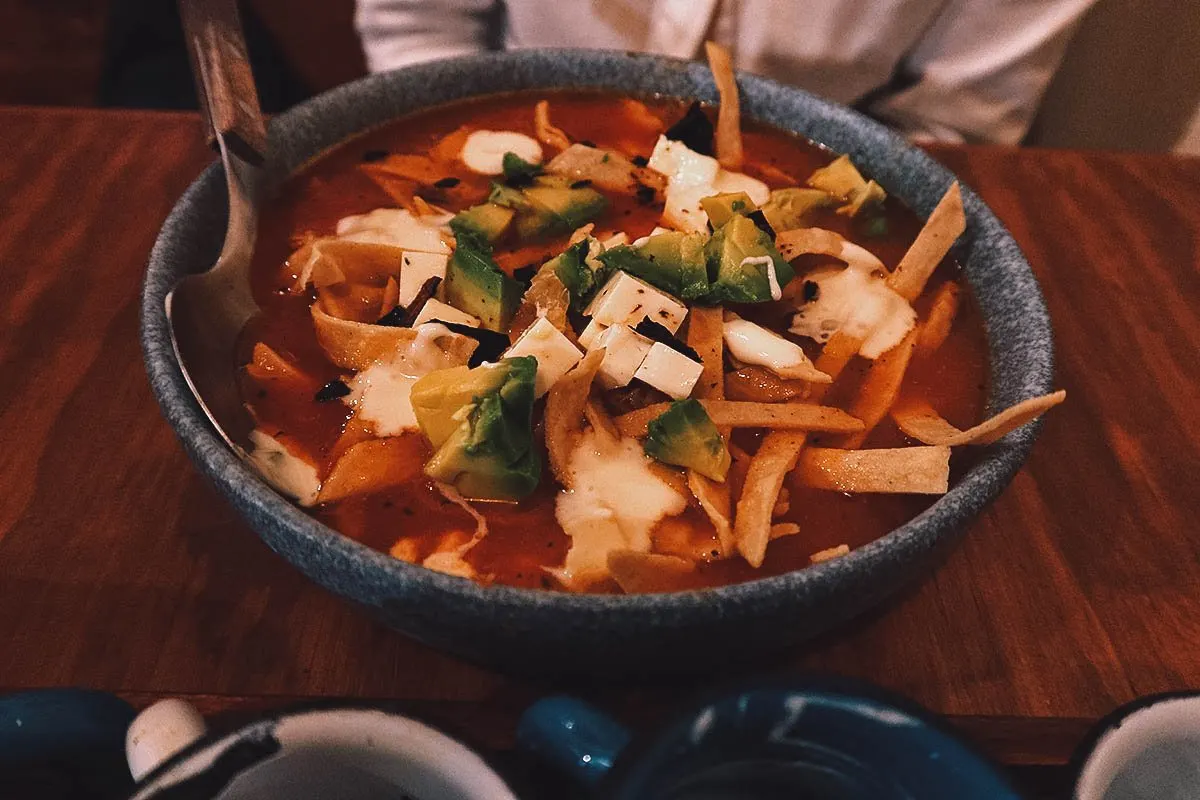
[{"x": 941, "y": 521}]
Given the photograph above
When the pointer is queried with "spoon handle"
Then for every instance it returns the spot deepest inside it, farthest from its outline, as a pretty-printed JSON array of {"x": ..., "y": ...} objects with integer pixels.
[{"x": 224, "y": 82}]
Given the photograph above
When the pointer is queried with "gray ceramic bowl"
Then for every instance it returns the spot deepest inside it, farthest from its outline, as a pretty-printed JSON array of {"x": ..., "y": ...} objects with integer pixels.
[{"x": 529, "y": 630}]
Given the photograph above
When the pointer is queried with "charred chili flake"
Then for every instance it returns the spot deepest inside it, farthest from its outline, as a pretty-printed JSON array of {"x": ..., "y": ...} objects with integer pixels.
[
  {"x": 491, "y": 344},
  {"x": 587, "y": 143},
  {"x": 640, "y": 161},
  {"x": 525, "y": 274},
  {"x": 447, "y": 183},
  {"x": 332, "y": 391},
  {"x": 645, "y": 194},
  {"x": 393, "y": 319},
  {"x": 371, "y": 156},
  {"x": 660, "y": 333},
  {"x": 694, "y": 129},
  {"x": 583, "y": 184},
  {"x": 760, "y": 221},
  {"x": 811, "y": 290}
]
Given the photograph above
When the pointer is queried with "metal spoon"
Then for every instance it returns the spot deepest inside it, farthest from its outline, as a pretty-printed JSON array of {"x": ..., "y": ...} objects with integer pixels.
[{"x": 208, "y": 311}]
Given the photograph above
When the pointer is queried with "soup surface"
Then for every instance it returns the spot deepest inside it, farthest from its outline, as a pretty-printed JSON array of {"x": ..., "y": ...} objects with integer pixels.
[{"x": 300, "y": 397}]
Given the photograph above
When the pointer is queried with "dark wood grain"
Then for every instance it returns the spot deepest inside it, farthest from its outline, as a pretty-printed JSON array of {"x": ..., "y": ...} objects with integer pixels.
[{"x": 120, "y": 569}]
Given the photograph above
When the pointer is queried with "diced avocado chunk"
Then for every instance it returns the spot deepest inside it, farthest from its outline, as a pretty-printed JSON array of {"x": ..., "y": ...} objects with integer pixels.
[
  {"x": 674, "y": 262},
  {"x": 720, "y": 207},
  {"x": 736, "y": 254},
  {"x": 685, "y": 436},
  {"x": 556, "y": 210},
  {"x": 508, "y": 197},
  {"x": 839, "y": 178},
  {"x": 579, "y": 273},
  {"x": 475, "y": 284},
  {"x": 516, "y": 167},
  {"x": 788, "y": 209},
  {"x": 489, "y": 220},
  {"x": 480, "y": 423}
]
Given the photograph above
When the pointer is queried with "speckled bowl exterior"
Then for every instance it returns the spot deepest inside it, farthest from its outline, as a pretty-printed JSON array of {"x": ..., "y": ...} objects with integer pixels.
[{"x": 550, "y": 632}]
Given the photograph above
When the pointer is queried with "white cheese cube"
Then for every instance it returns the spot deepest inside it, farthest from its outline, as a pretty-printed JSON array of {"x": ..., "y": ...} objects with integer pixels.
[
  {"x": 669, "y": 371},
  {"x": 396, "y": 227},
  {"x": 681, "y": 164},
  {"x": 436, "y": 310},
  {"x": 626, "y": 300},
  {"x": 555, "y": 353},
  {"x": 657, "y": 230},
  {"x": 590, "y": 333},
  {"x": 624, "y": 352},
  {"x": 415, "y": 269}
]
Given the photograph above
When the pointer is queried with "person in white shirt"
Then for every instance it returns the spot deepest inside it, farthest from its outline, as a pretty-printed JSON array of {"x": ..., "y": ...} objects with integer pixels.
[{"x": 951, "y": 70}]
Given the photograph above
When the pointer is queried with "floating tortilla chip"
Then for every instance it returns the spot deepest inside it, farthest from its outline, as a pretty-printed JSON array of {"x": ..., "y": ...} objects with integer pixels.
[
  {"x": 407, "y": 548},
  {"x": 328, "y": 261},
  {"x": 839, "y": 178},
  {"x": 565, "y": 404},
  {"x": 902, "y": 470},
  {"x": 829, "y": 553},
  {"x": 354, "y": 431},
  {"x": 642, "y": 573},
  {"x": 267, "y": 365},
  {"x": 776, "y": 457},
  {"x": 728, "y": 138},
  {"x": 706, "y": 336},
  {"x": 716, "y": 501},
  {"x": 944, "y": 226},
  {"x": 916, "y": 418},
  {"x": 941, "y": 318},
  {"x": 547, "y": 296},
  {"x": 870, "y": 194},
  {"x": 418, "y": 168},
  {"x": 545, "y": 132},
  {"x": 372, "y": 466},
  {"x": 808, "y": 241},
  {"x": 357, "y": 345},
  {"x": 760, "y": 385},
  {"x": 449, "y": 146},
  {"x": 639, "y": 115},
  {"x": 606, "y": 169},
  {"x": 879, "y": 390},
  {"x": 781, "y": 529},
  {"x": 837, "y": 353},
  {"x": 735, "y": 414}
]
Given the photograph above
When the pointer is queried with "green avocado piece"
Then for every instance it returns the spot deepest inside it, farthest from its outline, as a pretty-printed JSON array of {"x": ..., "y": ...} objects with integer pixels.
[
  {"x": 579, "y": 274},
  {"x": 685, "y": 436},
  {"x": 734, "y": 280},
  {"x": 516, "y": 167},
  {"x": 489, "y": 220},
  {"x": 558, "y": 210},
  {"x": 508, "y": 197},
  {"x": 674, "y": 262},
  {"x": 787, "y": 209},
  {"x": 475, "y": 284},
  {"x": 480, "y": 422},
  {"x": 720, "y": 207}
]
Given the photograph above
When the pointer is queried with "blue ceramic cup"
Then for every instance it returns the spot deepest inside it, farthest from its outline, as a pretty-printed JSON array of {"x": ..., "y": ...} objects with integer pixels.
[{"x": 814, "y": 740}]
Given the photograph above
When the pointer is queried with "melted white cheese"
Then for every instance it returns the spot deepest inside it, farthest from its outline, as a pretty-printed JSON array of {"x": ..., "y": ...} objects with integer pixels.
[
  {"x": 615, "y": 503},
  {"x": 858, "y": 302},
  {"x": 691, "y": 177},
  {"x": 483, "y": 151},
  {"x": 381, "y": 393},
  {"x": 754, "y": 344},
  {"x": 283, "y": 469},
  {"x": 772, "y": 275}
]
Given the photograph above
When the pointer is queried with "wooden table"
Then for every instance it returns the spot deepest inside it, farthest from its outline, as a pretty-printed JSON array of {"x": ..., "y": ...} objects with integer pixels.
[{"x": 121, "y": 569}]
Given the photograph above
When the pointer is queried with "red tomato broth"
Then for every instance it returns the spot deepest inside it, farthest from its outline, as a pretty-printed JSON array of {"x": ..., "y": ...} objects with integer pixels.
[{"x": 524, "y": 537}]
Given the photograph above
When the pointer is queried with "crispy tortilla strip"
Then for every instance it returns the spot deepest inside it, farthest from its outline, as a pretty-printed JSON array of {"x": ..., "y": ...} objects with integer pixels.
[
  {"x": 606, "y": 169},
  {"x": 829, "y": 553},
  {"x": 879, "y": 390},
  {"x": 642, "y": 573},
  {"x": 809, "y": 241},
  {"x": 735, "y": 414},
  {"x": 940, "y": 320},
  {"x": 418, "y": 168},
  {"x": 760, "y": 385},
  {"x": 565, "y": 405},
  {"x": 781, "y": 529},
  {"x": 717, "y": 503},
  {"x": 600, "y": 419},
  {"x": 545, "y": 132},
  {"x": 639, "y": 115},
  {"x": 547, "y": 296},
  {"x": 449, "y": 146},
  {"x": 267, "y": 365},
  {"x": 837, "y": 353},
  {"x": 706, "y": 336},
  {"x": 372, "y": 466},
  {"x": 354, "y": 431},
  {"x": 728, "y": 138},
  {"x": 916, "y": 418},
  {"x": 944, "y": 226},
  {"x": 776, "y": 457},
  {"x": 357, "y": 345},
  {"x": 327, "y": 262},
  {"x": 901, "y": 470}
]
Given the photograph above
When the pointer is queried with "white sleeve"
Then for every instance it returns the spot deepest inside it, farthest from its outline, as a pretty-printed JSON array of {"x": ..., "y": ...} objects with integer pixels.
[
  {"x": 981, "y": 69},
  {"x": 399, "y": 32}
]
